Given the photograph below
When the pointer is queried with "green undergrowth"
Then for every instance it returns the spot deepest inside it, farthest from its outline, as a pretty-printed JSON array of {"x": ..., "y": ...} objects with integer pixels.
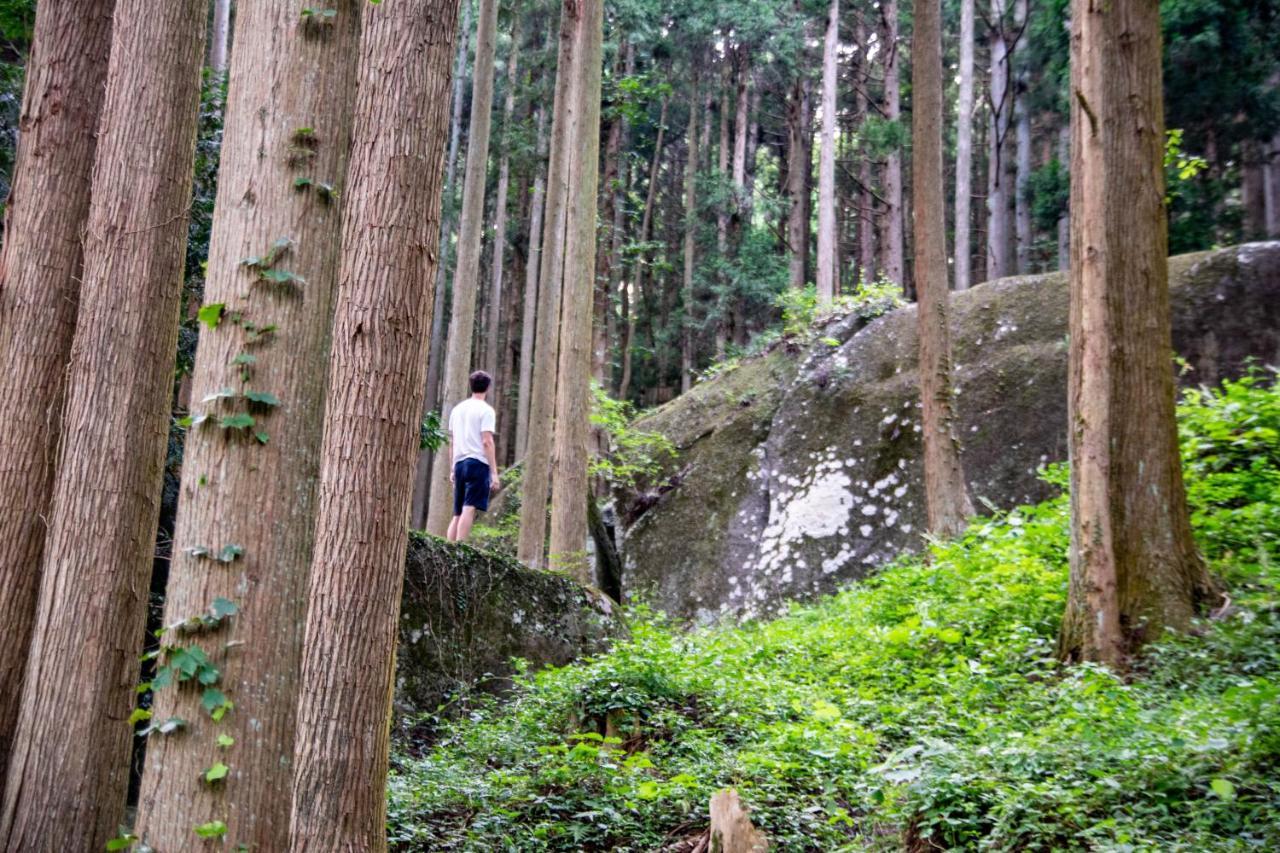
[{"x": 921, "y": 709}]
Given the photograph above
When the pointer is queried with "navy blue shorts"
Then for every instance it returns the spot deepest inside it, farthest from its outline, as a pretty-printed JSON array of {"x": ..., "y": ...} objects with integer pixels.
[{"x": 470, "y": 485}]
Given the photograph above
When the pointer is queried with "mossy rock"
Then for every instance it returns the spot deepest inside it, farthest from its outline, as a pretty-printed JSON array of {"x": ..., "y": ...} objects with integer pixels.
[
  {"x": 467, "y": 613},
  {"x": 816, "y": 481}
]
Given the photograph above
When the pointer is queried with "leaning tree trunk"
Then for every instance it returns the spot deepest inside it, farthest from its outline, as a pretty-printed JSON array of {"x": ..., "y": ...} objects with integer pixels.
[
  {"x": 827, "y": 161},
  {"x": 532, "y": 264},
  {"x": 70, "y": 762},
  {"x": 690, "y": 242},
  {"x": 287, "y": 136},
  {"x": 466, "y": 277},
  {"x": 1134, "y": 567},
  {"x": 946, "y": 497},
  {"x": 964, "y": 151},
  {"x": 377, "y": 373},
  {"x": 494, "y": 325},
  {"x": 536, "y": 476},
  {"x": 39, "y": 282},
  {"x": 894, "y": 251},
  {"x": 569, "y": 487}
]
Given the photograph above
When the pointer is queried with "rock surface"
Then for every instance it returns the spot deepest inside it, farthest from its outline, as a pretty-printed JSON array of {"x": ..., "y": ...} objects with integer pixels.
[
  {"x": 466, "y": 613},
  {"x": 800, "y": 470}
]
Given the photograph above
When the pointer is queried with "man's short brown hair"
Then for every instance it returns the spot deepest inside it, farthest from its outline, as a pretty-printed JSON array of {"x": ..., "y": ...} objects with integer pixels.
[{"x": 480, "y": 382}]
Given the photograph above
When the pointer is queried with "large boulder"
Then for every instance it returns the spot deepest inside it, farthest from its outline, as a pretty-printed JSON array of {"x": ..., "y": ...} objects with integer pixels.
[
  {"x": 800, "y": 470},
  {"x": 466, "y": 614}
]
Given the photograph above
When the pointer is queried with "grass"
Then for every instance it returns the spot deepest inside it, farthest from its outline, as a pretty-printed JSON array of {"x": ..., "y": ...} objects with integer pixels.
[{"x": 921, "y": 709}]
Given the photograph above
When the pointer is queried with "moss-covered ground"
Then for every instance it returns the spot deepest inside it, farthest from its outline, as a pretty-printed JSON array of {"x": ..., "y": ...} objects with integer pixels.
[{"x": 921, "y": 709}]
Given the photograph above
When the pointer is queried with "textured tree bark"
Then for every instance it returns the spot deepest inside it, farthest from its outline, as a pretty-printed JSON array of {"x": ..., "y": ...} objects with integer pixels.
[
  {"x": 946, "y": 497},
  {"x": 528, "y": 324},
  {"x": 435, "y": 358},
  {"x": 964, "y": 151},
  {"x": 798, "y": 168},
  {"x": 1000, "y": 172},
  {"x": 569, "y": 486},
  {"x": 866, "y": 200},
  {"x": 1271, "y": 192},
  {"x": 493, "y": 332},
  {"x": 377, "y": 372},
  {"x": 290, "y": 73},
  {"x": 894, "y": 251},
  {"x": 536, "y": 475},
  {"x": 690, "y": 241},
  {"x": 39, "y": 282},
  {"x": 602, "y": 324},
  {"x": 827, "y": 161},
  {"x": 69, "y": 767},
  {"x": 722, "y": 216},
  {"x": 646, "y": 224},
  {"x": 1253, "y": 190},
  {"x": 220, "y": 36},
  {"x": 466, "y": 277},
  {"x": 1064, "y": 220},
  {"x": 1023, "y": 236},
  {"x": 1134, "y": 567}
]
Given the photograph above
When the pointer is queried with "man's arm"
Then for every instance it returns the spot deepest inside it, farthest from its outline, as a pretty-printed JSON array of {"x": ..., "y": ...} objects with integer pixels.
[
  {"x": 448, "y": 449},
  {"x": 491, "y": 456}
]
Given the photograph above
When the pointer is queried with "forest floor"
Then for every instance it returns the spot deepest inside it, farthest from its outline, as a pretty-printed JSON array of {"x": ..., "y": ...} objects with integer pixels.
[{"x": 923, "y": 708}]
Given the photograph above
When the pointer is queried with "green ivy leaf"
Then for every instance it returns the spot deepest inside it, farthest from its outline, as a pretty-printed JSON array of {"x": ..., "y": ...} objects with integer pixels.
[
  {"x": 1224, "y": 789},
  {"x": 225, "y": 741},
  {"x": 139, "y": 715},
  {"x": 212, "y": 829},
  {"x": 212, "y": 699},
  {"x": 221, "y": 608},
  {"x": 123, "y": 841},
  {"x": 238, "y": 421},
  {"x": 217, "y": 772},
  {"x": 245, "y": 359},
  {"x": 282, "y": 277},
  {"x": 230, "y": 553},
  {"x": 262, "y": 437},
  {"x": 211, "y": 314},
  {"x": 302, "y": 183},
  {"x": 262, "y": 398}
]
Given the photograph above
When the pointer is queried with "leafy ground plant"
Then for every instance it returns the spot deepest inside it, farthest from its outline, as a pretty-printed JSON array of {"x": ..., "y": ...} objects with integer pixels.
[{"x": 922, "y": 709}]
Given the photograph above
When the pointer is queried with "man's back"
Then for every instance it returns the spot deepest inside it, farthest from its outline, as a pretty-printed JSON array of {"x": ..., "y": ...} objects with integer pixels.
[{"x": 468, "y": 422}]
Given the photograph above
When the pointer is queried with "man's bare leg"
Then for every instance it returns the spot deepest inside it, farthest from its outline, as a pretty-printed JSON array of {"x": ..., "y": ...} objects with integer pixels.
[
  {"x": 451, "y": 534},
  {"x": 465, "y": 521}
]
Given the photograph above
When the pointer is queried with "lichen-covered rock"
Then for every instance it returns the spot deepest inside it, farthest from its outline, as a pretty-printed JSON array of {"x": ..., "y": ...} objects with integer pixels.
[
  {"x": 800, "y": 471},
  {"x": 466, "y": 613}
]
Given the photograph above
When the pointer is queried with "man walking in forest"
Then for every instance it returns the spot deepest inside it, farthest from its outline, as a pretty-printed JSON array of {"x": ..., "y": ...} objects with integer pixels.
[{"x": 475, "y": 461}]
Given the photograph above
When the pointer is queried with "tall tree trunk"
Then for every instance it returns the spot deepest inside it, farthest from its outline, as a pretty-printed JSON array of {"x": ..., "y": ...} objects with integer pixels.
[
  {"x": 1271, "y": 190},
  {"x": 690, "y": 241},
  {"x": 533, "y": 264},
  {"x": 1134, "y": 567},
  {"x": 536, "y": 476},
  {"x": 617, "y": 283},
  {"x": 866, "y": 198},
  {"x": 499, "y": 390},
  {"x": 946, "y": 497},
  {"x": 39, "y": 284},
  {"x": 895, "y": 250},
  {"x": 466, "y": 276},
  {"x": 1253, "y": 190},
  {"x": 435, "y": 357},
  {"x": 610, "y": 214},
  {"x": 640, "y": 267},
  {"x": 964, "y": 151},
  {"x": 722, "y": 216},
  {"x": 220, "y": 36},
  {"x": 798, "y": 167},
  {"x": 569, "y": 492},
  {"x": 69, "y": 767},
  {"x": 1000, "y": 171},
  {"x": 1022, "y": 141},
  {"x": 827, "y": 161},
  {"x": 1064, "y": 219},
  {"x": 289, "y": 74},
  {"x": 376, "y": 379}
]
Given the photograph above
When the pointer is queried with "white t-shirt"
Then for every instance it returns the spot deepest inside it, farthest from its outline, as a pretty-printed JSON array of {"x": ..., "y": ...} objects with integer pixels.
[{"x": 468, "y": 422}]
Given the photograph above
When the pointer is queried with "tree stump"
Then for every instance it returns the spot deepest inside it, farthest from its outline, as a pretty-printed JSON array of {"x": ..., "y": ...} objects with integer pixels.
[{"x": 731, "y": 829}]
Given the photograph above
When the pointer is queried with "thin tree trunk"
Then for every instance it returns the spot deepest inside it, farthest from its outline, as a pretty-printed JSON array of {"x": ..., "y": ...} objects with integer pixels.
[
  {"x": 690, "y": 241},
  {"x": 722, "y": 217},
  {"x": 69, "y": 767},
  {"x": 1253, "y": 190},
  {"x": 1134, "y": 567},
  {"x": 220, "y": 37},
  {"x": 435, "y": 358},
  {"x": 536, "y": 476},
  {"x": 827, "y": 161},
  {"x": 39, "y": 285},
  {"x": 946, "y": 497},
  {"x": 1271, "y": 190},
  {"x": 964, "y": 151},
  {"x": 1000, "y": 172},
  {"x": 492, "y": 337},
  {"x": 260, "y": 497},
  {"x": 376, "y": 378},
  {"x": 798, "y": 167},
  {"x": 1022, "y": 132},
  {"x": 895, "y": 250},
  {"x": 527, "y": 326},
  {"x": 866, "y": 200},
  {"x": 646, "y": 223},
  {"x": 466, "y": 276},
  {"x": 1064, "y": 220},
  {"x": 569, "y": 481}
]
